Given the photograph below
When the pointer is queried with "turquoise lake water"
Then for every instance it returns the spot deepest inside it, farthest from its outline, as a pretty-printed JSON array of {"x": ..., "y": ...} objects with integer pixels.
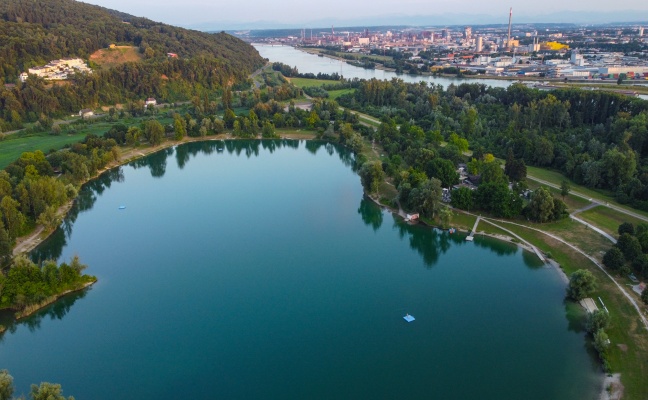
[{"x": 257, "y": 269}]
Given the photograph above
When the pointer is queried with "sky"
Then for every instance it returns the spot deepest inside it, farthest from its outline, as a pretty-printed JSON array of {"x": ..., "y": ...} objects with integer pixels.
[{"x": 299, "y": 13}]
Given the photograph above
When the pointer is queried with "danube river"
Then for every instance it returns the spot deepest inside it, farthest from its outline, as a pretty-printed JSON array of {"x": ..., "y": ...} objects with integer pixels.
[
  {"x": 306, "y": 63},
  {"x": 257, "y": 270}
]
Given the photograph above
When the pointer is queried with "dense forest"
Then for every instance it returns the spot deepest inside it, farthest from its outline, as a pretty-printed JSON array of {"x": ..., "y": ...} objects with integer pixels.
[
  {"x": 596, "y": 138},
  {"x": 33, "y": 32}
]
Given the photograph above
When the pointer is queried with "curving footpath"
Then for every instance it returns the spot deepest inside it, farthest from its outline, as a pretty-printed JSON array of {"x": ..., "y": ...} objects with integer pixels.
[{"x": 592, "y": 259}]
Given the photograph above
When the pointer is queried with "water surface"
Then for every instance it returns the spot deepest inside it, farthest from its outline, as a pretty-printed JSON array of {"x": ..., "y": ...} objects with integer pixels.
[
  {"x": 249, "y": 269},
  {"x": 310, "y": 63}
]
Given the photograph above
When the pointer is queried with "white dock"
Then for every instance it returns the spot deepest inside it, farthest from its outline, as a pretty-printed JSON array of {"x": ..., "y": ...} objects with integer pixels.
[{"x": 470, "y": 237}]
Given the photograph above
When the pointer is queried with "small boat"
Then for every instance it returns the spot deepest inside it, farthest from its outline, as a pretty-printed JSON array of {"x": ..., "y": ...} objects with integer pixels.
[{"x": 122, "y": 207}]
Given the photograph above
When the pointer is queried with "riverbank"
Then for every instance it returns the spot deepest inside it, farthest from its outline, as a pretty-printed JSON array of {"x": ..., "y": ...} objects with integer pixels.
[{"x": 29, "y": 310}]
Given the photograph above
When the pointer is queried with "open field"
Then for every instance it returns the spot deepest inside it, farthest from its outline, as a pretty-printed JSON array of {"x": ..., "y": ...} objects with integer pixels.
[
  {"x": 305, "y": 82},
  {"x": 108, "y": 58},
  {"x": 607, "y": 219},
  {"x": 556, "y": 178},
  {"x": 334, "y": 94},
  {"x": 13, "y": 146}
]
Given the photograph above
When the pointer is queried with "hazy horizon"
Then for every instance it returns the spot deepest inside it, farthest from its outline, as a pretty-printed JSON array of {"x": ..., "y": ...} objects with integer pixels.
[{"x": 207, "y": 15}]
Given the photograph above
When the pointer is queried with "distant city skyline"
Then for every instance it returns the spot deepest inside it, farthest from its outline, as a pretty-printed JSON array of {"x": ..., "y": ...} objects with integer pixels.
[{"x": 293, "y": 13}]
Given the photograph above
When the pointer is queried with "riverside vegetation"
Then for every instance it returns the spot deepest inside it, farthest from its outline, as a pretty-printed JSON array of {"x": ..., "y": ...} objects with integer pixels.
[
  {"x": 421, "y": 164},
  {"x": 597, "y": 139}
]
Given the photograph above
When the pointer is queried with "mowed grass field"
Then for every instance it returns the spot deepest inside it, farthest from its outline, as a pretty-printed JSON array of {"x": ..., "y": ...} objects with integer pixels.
[
  {"x": 334, "y": 94},
  {"x": 12, "y": 147},
  {"x": 556, "y": 178},
  {"x": 305, "y": 82},
  {"x": 608, "y": 219}
]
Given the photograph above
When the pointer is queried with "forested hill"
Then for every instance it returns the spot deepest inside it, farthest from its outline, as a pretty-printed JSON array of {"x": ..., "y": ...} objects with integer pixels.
[{"x": 33, "y": 32}]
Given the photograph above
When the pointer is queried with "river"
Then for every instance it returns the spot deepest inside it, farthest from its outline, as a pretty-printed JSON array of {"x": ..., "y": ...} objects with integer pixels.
[
  {"x": 306, "y": 63},
  {"x": 257, "y": 269}
]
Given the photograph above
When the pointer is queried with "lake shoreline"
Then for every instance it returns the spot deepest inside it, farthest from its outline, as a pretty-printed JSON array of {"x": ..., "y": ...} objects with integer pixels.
[
  {"x": 30, "y": 310},
  {"x": 29, "y": 242},
  {"x": 610, "y": 386}
]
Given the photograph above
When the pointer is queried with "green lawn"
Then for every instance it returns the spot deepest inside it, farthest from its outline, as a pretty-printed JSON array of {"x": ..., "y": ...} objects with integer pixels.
[
  {"x": 305, "y": 82},
  {"x": 334, "y": 94},
  {"x": 607, "y": 219},
  {"x": 14, "y": 145},
  {"x": 556, "y": 178}
]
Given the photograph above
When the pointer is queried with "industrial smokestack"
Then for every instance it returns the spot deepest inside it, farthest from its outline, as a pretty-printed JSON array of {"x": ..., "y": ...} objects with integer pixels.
[{"x": 508, "y": 41}]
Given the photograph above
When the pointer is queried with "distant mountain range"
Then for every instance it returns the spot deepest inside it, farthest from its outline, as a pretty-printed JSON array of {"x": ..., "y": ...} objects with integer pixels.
[{"x": 446, "y": 19}]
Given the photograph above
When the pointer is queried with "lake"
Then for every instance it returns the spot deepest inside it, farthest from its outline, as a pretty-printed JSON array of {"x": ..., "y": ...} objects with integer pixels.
[
  {"x": 257, "y": 269},
  {"x": 310, "y": 63}
]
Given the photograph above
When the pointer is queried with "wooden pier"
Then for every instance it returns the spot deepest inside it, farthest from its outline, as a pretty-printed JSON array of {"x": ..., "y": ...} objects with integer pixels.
[{"x": 470, "y": 237}]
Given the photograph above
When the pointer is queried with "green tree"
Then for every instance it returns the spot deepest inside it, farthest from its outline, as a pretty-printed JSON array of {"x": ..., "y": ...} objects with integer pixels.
[
  {"x": 179, "y": 127},
  {"x": 463, "y": 198},
  {"x": 601, "y": 342},
  {"x": 133, "y": 135},
  {"x": 49, "y": 219},
  {"x": 445, "y": 216},
  {"x": 644, "y": 296},
  {"x": 229, "y": 117},
  {"x": 443, "y": 170},
  {"x": 629, "y": 246},
  {"x": 626, "y": 227},
  {"x": 153, "y": 132},
  {"x": 492, "y": 172},
  {"x": 268, "y": 130},
  {"x": 541, "y": 206},
  {"x": 565, "y": 188},
  {"x": 613, "y": 259},
  {"x": 427, "y": 197},
  {"x": 597, "y": 320},
  {"x": 581, "y": 284},
  {"x": 48, "y": 391},
  {"x": 6, "y": 385},
  {"x": 371, "y": 175},
  {"x": 13, "y": 219},
  {"x": 460, "y": 143}
]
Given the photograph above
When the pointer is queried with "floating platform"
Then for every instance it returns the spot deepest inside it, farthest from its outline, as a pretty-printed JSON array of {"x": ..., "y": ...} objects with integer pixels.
[{"x": 408, "y": 318}]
